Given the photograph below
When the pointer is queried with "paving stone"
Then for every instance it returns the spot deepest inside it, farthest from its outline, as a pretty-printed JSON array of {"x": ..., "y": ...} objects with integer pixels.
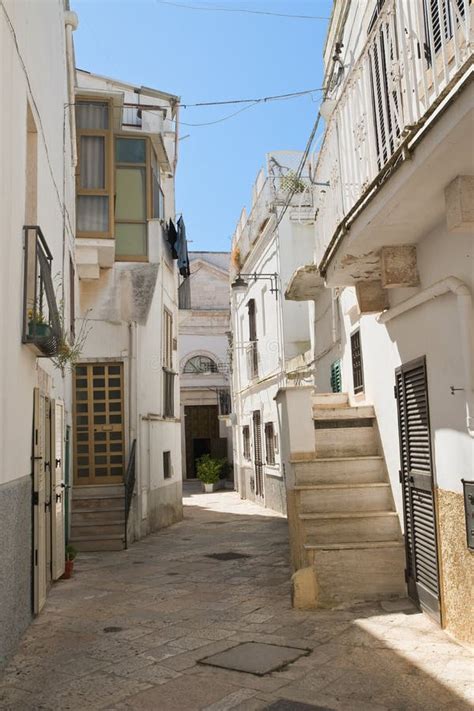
[{"x": 168, "y": 597}]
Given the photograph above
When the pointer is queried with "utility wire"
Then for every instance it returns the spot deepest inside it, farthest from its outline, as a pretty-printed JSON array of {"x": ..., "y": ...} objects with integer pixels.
[
  {"x": 225, "y": 102},
  {"x": 242, "y": 10},
  {"x": 221, "y": 120}
]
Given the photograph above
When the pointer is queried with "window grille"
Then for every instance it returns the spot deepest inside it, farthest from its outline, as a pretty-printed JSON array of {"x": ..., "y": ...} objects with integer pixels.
[
  {"x": 200, "y": 364},
  {"x": 167, "y": 465}
]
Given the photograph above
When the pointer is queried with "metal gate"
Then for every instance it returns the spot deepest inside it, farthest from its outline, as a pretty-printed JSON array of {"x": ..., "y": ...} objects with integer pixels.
[
  {"x": 416, "y": 476},
  {"x": 258, "y": 454}
]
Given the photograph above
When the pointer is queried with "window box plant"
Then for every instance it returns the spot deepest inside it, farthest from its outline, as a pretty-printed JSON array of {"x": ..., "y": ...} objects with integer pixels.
[
  {"x": 38, "y": 327},
  {"x": 208, "y": 472}
]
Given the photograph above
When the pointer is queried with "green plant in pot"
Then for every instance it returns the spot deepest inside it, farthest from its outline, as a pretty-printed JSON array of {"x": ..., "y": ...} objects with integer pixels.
[
  {"x": 208, "y": 471},
  {"x": 38, "y": 327},
  {"x": 70, "y": 555}
]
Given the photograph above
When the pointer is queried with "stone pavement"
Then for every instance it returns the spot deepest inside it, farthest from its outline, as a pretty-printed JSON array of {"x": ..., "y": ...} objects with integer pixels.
[{"x": 128, "y": 630}]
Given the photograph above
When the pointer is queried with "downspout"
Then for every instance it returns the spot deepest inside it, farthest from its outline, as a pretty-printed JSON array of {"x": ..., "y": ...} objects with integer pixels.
[
  {"x": 466, "y": 316},
  {"x": 71, "y": 21}
]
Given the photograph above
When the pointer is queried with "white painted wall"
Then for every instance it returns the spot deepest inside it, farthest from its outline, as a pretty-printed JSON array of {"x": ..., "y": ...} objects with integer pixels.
[{"x": 32, "y": 72}]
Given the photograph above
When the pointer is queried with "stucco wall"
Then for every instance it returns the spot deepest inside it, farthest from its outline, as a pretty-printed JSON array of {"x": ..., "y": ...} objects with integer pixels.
[
  {"x": 15, "y": 563},
  {"x": 457, "y": 567}
]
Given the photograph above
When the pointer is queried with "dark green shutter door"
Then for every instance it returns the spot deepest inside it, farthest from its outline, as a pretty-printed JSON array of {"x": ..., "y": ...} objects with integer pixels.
[
  {"x": 336, "y": 377},
  {"x": 417, "y": 484}
]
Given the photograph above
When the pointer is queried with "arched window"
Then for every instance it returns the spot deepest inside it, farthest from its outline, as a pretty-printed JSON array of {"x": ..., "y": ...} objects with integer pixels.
[{"x": 200, "y": 364}]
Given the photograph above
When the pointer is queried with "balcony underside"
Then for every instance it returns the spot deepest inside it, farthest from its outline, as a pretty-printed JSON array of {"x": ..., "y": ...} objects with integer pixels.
[
  {"x": 305, "y": 284},
  {"x": 410, "y": 203}
]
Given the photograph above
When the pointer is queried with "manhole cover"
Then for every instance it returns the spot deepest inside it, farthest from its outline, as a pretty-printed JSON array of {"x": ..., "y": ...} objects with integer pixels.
[
  {"x": 113, "y": 629},
  {"x": 255, "y": 658},
  {"x": 229, "y": 555}
]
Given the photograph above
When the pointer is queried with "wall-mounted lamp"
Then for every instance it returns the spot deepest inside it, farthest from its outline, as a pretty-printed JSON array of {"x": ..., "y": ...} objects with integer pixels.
[{"x": 240, "y": 285}]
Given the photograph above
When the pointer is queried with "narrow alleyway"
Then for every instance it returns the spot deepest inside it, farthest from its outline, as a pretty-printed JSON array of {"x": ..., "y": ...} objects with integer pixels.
[{"x": 128, "y": 631}]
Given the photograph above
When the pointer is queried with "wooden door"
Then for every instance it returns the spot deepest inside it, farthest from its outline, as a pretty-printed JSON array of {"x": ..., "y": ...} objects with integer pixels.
[
  {"x": 39, "y": 501},
  {"x": 98, "y": 423},
  {"x": 416, "y": 476},
  {"x": 57, "y": 489},
  {"x": 258, "y": 455}
]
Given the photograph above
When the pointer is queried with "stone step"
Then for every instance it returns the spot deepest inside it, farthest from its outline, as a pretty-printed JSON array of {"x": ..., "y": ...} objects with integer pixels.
[
  {"x": 97, "y": 530},
  {"x": 346, "y": 441},
  {"x": 352, "y": 574},
  {"x": 330, "y": 400},
  {"x": 98, "y": 502},
  {"x": 326, "y": 498},
  {"x": 340, "y": 527},
  {"x": 85, "y": 492},
  {"x": 93, "y": 545},
  {"x": 340, "y": 470},
  {"x": 343, "y": 413},
  {"x": 98, "y": 515}
]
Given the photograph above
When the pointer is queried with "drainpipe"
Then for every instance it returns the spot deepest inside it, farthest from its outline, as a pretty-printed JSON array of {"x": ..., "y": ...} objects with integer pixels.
[
  {"x": 466, "y": 316},
  {"x": 71, "y": 21}
]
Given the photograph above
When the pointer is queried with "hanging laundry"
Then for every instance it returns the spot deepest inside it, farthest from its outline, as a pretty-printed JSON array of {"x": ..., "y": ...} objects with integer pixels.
[
  {"x": 172, "y": 236},
  {"x": 182, "y": 249}
]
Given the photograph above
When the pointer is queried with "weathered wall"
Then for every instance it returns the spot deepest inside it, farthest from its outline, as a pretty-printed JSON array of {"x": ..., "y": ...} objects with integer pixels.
[
  {"x": 15, "y": 563},
  {"x": 457, "y": 567}
]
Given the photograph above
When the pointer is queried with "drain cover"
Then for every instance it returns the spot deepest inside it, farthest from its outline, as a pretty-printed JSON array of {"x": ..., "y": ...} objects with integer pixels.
[
  {"x": 229, "y": 555},
  {"x": 255, "y": 658}
]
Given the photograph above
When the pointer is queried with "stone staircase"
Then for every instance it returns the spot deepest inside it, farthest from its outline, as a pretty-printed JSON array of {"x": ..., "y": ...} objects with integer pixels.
[
  {"x": 347, "y": 526},
  {"x": 98, "y": 518}
]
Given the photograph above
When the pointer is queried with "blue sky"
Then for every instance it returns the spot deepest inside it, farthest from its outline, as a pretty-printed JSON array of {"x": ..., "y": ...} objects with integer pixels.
[{"x": 211, "y": 56}]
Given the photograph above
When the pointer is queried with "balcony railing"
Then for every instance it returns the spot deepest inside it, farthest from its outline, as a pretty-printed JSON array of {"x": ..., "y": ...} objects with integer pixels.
[
  {"x": 252, "y": 360},
  {"x": 273, "y": 193},
  {"x": 41, "y": 320},
  {"x": 415, "y": 52}
]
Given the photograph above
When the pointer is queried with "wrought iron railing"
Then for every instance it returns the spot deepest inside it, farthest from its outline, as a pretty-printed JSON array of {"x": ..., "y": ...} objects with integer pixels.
[
  {"x": 414, "y": 52},
  {"x": 129, "y": 483},
  {"x": 41, "y": 320}
]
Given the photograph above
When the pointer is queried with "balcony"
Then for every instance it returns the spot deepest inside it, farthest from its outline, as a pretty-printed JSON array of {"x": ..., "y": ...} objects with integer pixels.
[
  {"x": 416, "y": 57},
  {"x": 41, "y": 321},
  {"x": 272, "y": 192}
]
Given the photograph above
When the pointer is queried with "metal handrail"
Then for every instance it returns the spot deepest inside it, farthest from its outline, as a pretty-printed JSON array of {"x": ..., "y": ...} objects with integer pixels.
[{"x": 129, "y": 483}]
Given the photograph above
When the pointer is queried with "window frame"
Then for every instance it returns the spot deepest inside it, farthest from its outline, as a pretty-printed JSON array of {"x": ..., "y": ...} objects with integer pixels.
[
  {"x": 148, "y": 191},
  {"x": 109, "y": 165},
  {"x": 167, "y": 468},
  {"x": 357, "y": 368}
]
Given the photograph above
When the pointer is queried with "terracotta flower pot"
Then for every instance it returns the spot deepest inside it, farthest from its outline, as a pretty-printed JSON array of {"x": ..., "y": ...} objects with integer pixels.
[{"x": 68, "y": 568}]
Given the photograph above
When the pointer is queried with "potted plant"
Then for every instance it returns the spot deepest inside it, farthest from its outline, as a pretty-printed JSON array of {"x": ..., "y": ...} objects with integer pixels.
[
  {"x": 208, "y": 470},
  {"x": 38, "y": 327},
  {"x": 71, "y": 553},
  {"x": 292, "y": 183}
]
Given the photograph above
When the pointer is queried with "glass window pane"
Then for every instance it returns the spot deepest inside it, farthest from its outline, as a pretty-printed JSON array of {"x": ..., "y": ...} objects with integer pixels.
[
  {"x": 94, "y": 114},
  {"x": 92, "y": 213},
  {"x": 130, "y": 150},
  {"x": 130, "y": 240},
  {"x": 131, "y": 194},
  {"x": 92, "y": 162}
]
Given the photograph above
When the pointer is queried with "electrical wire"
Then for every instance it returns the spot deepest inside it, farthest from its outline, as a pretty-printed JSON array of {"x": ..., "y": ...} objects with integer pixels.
[
  {"x": 221, "y": 120},
  {"x": 241, "y": 10}
]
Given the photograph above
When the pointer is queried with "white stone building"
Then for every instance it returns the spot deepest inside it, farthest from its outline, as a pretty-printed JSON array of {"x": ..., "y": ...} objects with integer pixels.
[
  {"x": 270, "y": 336},
  {"x": 37, "y": 286},
  {"x": 127, "y": 456},
  {"x": 392, "y": 292},
  {"x": 204, "y": 326}
]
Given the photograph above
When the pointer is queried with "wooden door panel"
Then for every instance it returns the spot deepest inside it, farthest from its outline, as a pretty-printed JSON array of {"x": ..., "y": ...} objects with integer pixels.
[
  {"x": 57, "y": 489},
  {"x": 99, "y": 429}
]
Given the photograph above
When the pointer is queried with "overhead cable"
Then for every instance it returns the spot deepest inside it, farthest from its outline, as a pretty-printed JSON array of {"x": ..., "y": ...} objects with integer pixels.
[{"x": 213, "y": 8}]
